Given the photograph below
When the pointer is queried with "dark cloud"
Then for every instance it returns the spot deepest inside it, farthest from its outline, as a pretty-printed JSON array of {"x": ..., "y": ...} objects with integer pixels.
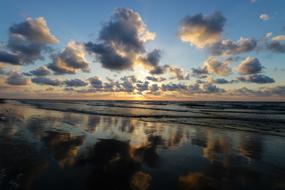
[
  {"x": 11, "y": 58},
  {"x": 27, "y": 41},
  {"x": 259, "y": 79},
  {"x": 211, "y": 88},
  {"x": 75, "y": 83},
  {"x": 152, "y": 58},
  {"x": 173, "y": 87},
  {"x": 41, "y": 71},
  {"x": 15, "y": 78},
  {"x": 201, "y": 30},
  {"x": 127, "y": 84},
  {"x": 96, "y": 82},
  {"x": 158, "y": 70},
  {"x": 143, "y": 86},
  {"x": 154, "y": 89},
  {"x": 46, "y": 81},
  {"x": 121, "y": 41},
  {"x": 108, "y": 57},
  {"x": 220, "y": 81},
  {"x": 200, "y": 72},
  {"x": 249, "y": 65},
  {"x": 71, "y": 59},
  {"x": 229, "y": 47}
]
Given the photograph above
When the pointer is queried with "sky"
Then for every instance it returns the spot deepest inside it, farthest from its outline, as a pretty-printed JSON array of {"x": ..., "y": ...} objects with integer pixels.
[{"x": 143, "y": 49}]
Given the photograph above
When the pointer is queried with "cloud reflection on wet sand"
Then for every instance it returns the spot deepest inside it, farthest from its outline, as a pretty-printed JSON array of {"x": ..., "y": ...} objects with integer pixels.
[{"x": 43, "y": 149}]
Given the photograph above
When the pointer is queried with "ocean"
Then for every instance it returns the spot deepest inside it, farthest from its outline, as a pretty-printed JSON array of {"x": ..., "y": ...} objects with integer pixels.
[{"x": 76, "y": 144}]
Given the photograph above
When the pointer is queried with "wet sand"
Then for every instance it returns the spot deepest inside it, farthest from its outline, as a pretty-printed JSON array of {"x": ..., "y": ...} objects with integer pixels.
[{"x": 49, "y": 149}]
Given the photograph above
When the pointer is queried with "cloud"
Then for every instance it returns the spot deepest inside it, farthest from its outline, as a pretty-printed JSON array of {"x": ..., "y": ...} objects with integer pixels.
[
  {"x": 121, "y": 42},
  {"x": 276, "y": 47},
  {"x": 71, "y": 59},
  {"x": 178, "y": 73},
  {"x": 155, "y": 79},
  {"x": 259, "y": 79},
  {"x": 96, "y": 82},
  {"x": 201, "y": 30},
  {"x": 143, "y": 86},
  {"x": 249, "y": 65},
  {"x": 152, "y": 58},
  {"x": 46, "y": 81},
  {"x": 109, "y": 57},
  {"x": 154, "y": 89},
  {"x": 18, "y": 79},
  {"x": 220, "y": 81},
  {"x": 157, "y": 70},
  {"x": 26, "y": 42},
  {"x": 264, "y": 17},
  {"x": 75, "y": 83},
  {"x": 11, "y": 58},
  {"x": 279, "y": 38},
  {"x": 2, "y": 70},
  {"x": 41, "y": 71},
  {"x": 216, "y": 67},
  {"x": 200, "y": 72},
  {"x": 229, "y": 47},
  {"x": 263, "y": 91},
  {"x": 127, "y": 84},
  {"x": 173, "y": 87},
  {"x": 211, "y": 88}
]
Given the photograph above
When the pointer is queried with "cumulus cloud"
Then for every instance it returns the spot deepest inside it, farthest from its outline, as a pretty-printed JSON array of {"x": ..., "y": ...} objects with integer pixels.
[
  {"x": 127, "y": 84},
  {"x": 121, "y": 42},
  {"x": 154, "y": 89},
  {"x": 201, "y": 30},
  {"x": 211, "y": 88},
  {"x": 177, "y": 72},
  {"x": 16, "y": 78},
  {"x": 41, "y": 71},
  {"x": 259, "y": 79},
  {"x": 96, "y": 82},
  {"x": 157, "y": 70},
  {"x": 264, "y": 17},
  {"x": 249, "y": 65},
  {"x": 27, "y": 40},
  {"x": 142, "y": 86},
  {"x": 75, "y": 83},
  {"x": 200, "y": 72},
  {"x": 152, "y": 58},
  {"x": 229, "y": 47},
  {"x": 46, "y": 81},
  {"x": 71, "y": 59},
  {"x": 217, "y": 67}
]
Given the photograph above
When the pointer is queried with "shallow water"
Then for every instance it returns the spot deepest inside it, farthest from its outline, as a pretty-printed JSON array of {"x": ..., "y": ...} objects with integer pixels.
[{"x": 141, "y": 145}]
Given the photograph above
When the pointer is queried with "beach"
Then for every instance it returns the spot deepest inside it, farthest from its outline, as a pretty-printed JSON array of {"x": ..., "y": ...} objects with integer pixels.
[{"x": 53, "y": 144}]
